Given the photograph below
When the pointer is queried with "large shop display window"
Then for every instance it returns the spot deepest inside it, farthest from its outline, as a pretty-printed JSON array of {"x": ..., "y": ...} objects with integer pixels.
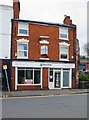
[{"x": 29, "y": 76}]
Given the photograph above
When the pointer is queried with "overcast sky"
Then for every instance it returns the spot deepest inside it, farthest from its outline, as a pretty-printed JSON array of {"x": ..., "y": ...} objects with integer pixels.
[{"x": 54, "y": 11}]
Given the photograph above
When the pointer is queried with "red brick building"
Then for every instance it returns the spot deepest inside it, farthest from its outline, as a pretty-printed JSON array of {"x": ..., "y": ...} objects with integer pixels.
[{"x": 43, "y": 54}]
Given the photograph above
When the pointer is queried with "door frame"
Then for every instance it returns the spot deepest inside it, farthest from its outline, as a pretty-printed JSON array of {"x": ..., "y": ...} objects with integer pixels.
[{"x": 61, "y": 79}]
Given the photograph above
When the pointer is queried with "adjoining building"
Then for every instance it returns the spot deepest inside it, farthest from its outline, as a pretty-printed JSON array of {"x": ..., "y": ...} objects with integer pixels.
[
  {"x": 43, "y": 54},
  {"x": 84, "y": 65},
  {"x": 6, "y": 14}
]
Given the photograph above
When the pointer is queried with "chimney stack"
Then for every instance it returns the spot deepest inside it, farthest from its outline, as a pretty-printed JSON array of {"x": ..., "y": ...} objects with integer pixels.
[
  {"x": 16, "y": 9},
  {"x": 67, "y": 20}
]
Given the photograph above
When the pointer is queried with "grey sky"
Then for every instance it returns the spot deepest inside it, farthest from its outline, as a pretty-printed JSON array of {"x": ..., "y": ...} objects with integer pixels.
[{"x": 54, "y": 11}]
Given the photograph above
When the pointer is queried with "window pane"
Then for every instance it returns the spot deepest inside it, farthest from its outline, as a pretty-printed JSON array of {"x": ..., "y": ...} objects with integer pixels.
[
  {"x": 22, "y": 31},
  {"x": 25, "y": 46},
  {"x": 29, "y": 77},
  {"x": 21, "y": 54},
  {"x": 37, "y": 77},
  {"x": 21, "y": 76},
  {"x": 29, "y": 74},
  {"x": 44, "y": 49},
  {"x": 25, "y": 53},
  {"x": 65, "y": 78},
  {"x": 64, "y": 56},
  {"x": 21, "y": 46},
  {"x": 64, "y": 30},
  {"x": 23, "y": 25},
  {"x": 63, "y": 35},
  {"x": 64, "y": 49}
]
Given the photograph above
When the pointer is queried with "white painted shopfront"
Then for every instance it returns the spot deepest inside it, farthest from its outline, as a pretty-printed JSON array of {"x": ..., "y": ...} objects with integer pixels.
[{"x": 59, "y": 74}]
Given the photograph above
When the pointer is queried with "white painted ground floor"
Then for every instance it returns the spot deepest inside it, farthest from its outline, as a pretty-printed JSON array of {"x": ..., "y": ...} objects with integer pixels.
[{"x": 48, "y": 75}]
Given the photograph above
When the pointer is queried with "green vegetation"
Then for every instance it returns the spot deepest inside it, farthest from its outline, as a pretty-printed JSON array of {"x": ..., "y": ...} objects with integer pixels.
[
  {"x": 84, "y": 57},
  {"x": 83, "y": 76}
]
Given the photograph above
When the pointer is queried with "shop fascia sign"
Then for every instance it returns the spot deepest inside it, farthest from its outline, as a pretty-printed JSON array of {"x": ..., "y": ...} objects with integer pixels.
[
  {"x": 45, "y": 64},
  {"x": 40, "y": 64}
]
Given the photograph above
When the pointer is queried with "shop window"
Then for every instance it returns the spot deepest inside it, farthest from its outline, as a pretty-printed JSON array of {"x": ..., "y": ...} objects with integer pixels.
[
  {"x": 29, "y": 76},
  {"x": 21, "y": 76},
  {"x": 22, "y": 29},
  {"x": 44, "y": 50},
  {"x": 63, "y": 33},
  {"x": 22, "y": 50},
  {"x": 64, "y": 50}
]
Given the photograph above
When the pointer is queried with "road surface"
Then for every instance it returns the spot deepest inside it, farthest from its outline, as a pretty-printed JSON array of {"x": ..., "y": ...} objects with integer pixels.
[{"x": 69, "y": 106}]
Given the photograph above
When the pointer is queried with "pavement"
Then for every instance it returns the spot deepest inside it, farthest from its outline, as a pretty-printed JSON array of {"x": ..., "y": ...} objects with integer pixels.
[{"x": 41, "y": 92}]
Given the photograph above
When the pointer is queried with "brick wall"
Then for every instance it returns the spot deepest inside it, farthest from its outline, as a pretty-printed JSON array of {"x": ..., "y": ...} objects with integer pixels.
[
  {"x": 45, "y": 78},
  {"x": 35, "y": 31},
  {"x": 35, "y": 87}
]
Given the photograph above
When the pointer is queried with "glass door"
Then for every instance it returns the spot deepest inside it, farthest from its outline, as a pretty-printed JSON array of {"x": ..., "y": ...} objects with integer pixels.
[
  {"x": 57, "y": 79},
  {"x": 65, "y": 79}
]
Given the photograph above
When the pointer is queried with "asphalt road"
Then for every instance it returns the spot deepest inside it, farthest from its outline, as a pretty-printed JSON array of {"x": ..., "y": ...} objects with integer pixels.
[{"x": 71, "y": 106}]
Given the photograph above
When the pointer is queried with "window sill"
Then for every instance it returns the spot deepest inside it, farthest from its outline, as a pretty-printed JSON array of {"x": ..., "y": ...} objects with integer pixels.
[
  {"x": 63, "y": 39},
  {"x": 63, "y": 59},
  {"x": 44, "y": 58},
  {"x": 28, "y": 84},
  {"x": 22, "y": 57},
  {"x": 22, "y": 35}
]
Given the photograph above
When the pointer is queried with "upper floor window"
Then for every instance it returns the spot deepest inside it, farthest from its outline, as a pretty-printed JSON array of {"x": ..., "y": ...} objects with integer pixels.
[
  {"x": 22, "y": 49},
  {"x": 23, "y": 29},
  {"x": 44, "y": 50},
  {"x": 63, "y": 33},
  {"x": 64, "y": 51}
]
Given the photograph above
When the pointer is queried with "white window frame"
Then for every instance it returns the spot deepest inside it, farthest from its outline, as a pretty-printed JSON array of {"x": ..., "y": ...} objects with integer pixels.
[
  {"x": 22, "y": 41},
  {"x": 33, "y": 76},
  {"x": 44, "y": 50},
  {"x": 65, "y": 45},
  {"x": 23, "y": 26},
  {"x": 63, "y": 30}
]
